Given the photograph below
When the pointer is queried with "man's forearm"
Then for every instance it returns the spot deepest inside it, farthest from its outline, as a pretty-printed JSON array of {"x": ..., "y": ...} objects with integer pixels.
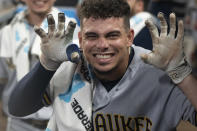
[
  {"x": 189, "y": 87},
  {"x": 26, "y": 97}
]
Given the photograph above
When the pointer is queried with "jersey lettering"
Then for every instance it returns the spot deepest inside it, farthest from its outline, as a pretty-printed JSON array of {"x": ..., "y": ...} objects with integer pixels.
[
  {"x": 100, "y": 123},
  {"x": 81, "y": 115},
  {"x": 126, "y": 123},
  {"x": 114, "y": 122}
]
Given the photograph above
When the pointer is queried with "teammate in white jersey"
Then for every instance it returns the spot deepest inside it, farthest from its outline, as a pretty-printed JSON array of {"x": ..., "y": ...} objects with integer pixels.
[
  {"x": 140, "y": 14},
  {"x": 115, "y": 86},
  {"x": 20, "y": 47}
]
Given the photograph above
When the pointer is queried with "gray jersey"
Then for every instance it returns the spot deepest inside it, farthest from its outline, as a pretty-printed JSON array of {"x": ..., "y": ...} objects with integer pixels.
[{"x": 144, "y": 100}]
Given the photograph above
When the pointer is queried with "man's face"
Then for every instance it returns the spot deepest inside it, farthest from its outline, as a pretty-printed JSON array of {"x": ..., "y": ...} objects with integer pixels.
[
  {"x": 105, "y": 44},
  {"x": 39, "y": 6}
]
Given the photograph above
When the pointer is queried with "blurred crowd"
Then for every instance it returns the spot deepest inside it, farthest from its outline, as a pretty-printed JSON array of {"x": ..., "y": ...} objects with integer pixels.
[
  {"x": 8, "y": 8},
  {"x": 142, "y": 10},
  {"x": 20, "y": 16}
]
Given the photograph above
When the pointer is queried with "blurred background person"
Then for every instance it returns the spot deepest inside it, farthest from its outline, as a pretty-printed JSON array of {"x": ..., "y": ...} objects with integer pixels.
[
  {"x": 190, "y": 41},
  {"x": 17, "y": 40},
  {"x": 139, "y": 16},
  {"x": 7, "y": 9},
  {"x": 19, "y": 51}
]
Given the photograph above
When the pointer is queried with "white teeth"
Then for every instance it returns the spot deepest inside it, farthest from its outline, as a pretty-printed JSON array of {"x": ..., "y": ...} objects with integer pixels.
[
  {"x": 103, "y": 56},
  {"x": 39, "y": 3}
]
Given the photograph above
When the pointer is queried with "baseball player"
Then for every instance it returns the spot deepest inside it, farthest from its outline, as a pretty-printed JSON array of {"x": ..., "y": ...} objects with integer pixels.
[
  {"x": 19, "y": 52},
  {"x": 115, "y": 85}
]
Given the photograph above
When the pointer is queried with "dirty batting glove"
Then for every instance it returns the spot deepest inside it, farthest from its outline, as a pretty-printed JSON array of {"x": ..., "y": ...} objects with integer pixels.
[
  {"x": 167, "y": 53},
  {"x": 54, "y": 43}
]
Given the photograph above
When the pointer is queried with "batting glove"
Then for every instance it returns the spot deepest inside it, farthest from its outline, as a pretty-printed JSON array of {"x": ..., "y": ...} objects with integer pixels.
[
  {"x": 55, "y": 43},
  {"x": 167, "y": 53}
]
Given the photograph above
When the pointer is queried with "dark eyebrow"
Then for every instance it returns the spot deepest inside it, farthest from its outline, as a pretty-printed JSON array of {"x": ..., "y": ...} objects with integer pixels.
[
  {"x": 90, "y": 33},
  {"x": 112, "y": 32}
]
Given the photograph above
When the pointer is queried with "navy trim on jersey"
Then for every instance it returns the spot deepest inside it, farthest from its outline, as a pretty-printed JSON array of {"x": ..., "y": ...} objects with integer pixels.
[{"x": 143, "y": 39}]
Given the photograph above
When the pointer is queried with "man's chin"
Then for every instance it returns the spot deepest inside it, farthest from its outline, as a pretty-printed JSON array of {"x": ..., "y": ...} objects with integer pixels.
[
  {"x": 41, "y": 12},
  {"x": 103, "y": 71}
]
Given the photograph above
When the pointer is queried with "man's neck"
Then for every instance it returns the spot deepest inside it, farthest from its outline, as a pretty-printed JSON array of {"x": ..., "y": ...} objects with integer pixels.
[{"x": 112, "y": 75}]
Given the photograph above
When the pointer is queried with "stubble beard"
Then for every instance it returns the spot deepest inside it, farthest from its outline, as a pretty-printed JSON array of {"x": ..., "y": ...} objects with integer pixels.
[{"x": 105, "y": 74}]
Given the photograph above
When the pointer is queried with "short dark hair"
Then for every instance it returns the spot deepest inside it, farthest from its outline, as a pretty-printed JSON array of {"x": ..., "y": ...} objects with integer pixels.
[{"x": 104, "y": 9}]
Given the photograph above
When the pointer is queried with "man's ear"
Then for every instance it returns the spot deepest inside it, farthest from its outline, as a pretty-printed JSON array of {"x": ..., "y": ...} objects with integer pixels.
[
  {"x": 80, "y": 39},
  {"x": 130, "y": 37}
]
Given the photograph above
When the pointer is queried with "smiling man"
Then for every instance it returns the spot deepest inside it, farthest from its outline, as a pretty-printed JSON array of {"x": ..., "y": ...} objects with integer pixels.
[
  {"x": 115, "y": 85},
  {"x": 107, "y": 46}
]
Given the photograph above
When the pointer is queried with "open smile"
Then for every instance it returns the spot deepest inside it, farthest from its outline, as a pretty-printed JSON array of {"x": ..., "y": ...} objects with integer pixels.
[
  {"x": 40, "y": 3},
  {"x": 104, "y": 57}
]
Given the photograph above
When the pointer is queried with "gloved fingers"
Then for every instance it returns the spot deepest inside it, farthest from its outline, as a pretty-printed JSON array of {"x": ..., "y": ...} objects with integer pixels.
[
  {"x": 41, "y": 33},
  {"x": 153, "y": 31},
  {"x": 69, "y": 31},
  {"x": 61, "y": 24},
  {"x": 51, "y": 25},
  {"x": 180, "y": 34},
  {"x": 172, "y": 25},
  {"x": 164, "y": 26}
]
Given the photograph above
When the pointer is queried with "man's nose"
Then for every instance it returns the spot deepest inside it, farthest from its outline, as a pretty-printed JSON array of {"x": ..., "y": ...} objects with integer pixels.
[{"x": 102, "y": 43}]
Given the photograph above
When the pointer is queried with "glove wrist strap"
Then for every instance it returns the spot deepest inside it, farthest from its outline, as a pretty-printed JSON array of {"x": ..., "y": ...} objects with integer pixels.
[{"x": 179, "y": 73}]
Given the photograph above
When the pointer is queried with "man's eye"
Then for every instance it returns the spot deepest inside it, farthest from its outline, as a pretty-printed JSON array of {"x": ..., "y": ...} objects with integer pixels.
[{"x": 113, "y": 36}]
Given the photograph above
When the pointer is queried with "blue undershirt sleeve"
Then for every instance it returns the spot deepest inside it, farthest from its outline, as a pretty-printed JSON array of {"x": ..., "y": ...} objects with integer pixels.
[{"x": 27, "y": 96}]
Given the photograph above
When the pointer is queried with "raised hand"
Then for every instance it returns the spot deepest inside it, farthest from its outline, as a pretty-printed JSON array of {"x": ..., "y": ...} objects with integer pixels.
[
  {"x": 167, "y": 53},
  {"x": 55, "y": 43}
]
